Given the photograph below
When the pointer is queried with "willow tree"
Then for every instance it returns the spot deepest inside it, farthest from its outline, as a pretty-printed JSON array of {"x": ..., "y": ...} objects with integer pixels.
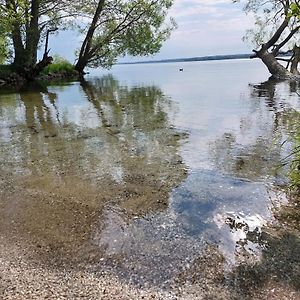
[
  {"x": 117, "y": 28},
  {"x": 27, "y": 23},
  {"x": 276, "y": 31},
  {"x": 3, "y": 44}
]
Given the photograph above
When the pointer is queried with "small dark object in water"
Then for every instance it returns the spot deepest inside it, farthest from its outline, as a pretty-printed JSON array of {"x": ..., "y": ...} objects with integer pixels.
[{"x": 181, "y": 69}]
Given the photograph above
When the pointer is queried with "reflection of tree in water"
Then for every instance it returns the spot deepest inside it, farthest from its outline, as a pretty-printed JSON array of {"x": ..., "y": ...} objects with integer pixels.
[
  {"x": 144, "y": 143},
  {"x": 67, "y": 171},
  {"x": 275, "y": 93},
  {"x": 276, "y": 275},
  {"x": 252, "y": 161},
  {"x": 266, "y": 129}
]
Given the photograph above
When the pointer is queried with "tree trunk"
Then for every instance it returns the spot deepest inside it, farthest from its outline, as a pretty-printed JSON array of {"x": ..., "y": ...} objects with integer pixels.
[
  {"x": 26, "y": 47},
  {"x": 268, "y": 56},
  {"x": 87, "y": 43},
  {"x": 18, "y": 46},
  {"x": 32, "y": 35},
  {"x": 295, "y": 61},
  {"x": 19, "y": 50},
  {"x": 275, "y": 68}
]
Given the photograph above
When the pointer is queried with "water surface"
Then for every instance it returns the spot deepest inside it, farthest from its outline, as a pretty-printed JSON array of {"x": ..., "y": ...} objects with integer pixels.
[{"x": 154, "y": 175}]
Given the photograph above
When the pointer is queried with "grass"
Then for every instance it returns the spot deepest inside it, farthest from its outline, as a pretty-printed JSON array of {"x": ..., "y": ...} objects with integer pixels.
[
  {"x": 59, "y": 66},
  {"x": 295, "y": 166}
]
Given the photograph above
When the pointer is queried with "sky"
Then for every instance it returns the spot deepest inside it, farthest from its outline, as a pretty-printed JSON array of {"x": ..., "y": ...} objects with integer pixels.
[{"x": 205, "y": 27}]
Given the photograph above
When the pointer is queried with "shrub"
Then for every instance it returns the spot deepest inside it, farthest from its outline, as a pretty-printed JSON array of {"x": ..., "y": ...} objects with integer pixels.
[{"x": 59, "y": 66}]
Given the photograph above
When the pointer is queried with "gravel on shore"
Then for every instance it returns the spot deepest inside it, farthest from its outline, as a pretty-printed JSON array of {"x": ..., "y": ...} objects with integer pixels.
[
  {"x": 24, "y": 278},
  {"x": 21, "y": 279}
]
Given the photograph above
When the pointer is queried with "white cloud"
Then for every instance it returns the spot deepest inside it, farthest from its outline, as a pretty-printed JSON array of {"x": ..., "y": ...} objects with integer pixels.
[
  {"x": 184, "y": 8},
  {"x": 207, "y": 27}
]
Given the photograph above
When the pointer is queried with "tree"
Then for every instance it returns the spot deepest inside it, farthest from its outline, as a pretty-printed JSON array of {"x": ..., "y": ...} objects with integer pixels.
[
  {"x": 3, "y": 47},
  {"x": 123, "y": 27},
  {"x": 112, "y": 29},
  {"x": 277, "y": 28},
  {"x": 28, "y": 23}
]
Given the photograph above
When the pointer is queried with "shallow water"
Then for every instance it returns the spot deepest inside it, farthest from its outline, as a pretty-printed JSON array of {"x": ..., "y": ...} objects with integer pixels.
[{"x": 139, "y": 170}]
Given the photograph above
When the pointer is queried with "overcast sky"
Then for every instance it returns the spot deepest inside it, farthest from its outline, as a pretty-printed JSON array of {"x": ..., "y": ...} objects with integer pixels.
[{"x": 205, "y": 27}]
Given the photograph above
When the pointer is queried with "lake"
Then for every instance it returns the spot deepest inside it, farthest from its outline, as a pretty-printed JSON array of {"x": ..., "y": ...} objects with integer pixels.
[{"x": 158, "y": 177}]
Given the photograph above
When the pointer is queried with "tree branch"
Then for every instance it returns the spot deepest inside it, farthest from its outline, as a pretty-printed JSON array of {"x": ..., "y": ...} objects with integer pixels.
[
  {"x": 279, "y": 46},
  {"x": 283, "y": 59},
  {"x": 276, "y": 35}
]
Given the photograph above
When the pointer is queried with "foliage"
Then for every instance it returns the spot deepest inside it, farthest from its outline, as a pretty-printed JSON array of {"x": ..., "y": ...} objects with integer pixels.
[
  {"x": 25, "y": 24},
  {"x": 14, "y": 12},
  {"x": 295, "y": 167},
  {"x": 276, "y": 30},
  {"x": 59, "y": 66},
  {"x": 136, "y": 27},
  {"x": 4, "y": 41},
  {"x": 268, "y": 16},
  {"x": 293, "y": 158},
  {"x": 3, "y": 49}
]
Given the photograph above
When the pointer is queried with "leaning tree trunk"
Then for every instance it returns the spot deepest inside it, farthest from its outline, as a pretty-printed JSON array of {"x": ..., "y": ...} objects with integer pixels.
[
  {"x": 275, "y": 68},
  {"x": 84, "y": 54},
  {"x": 269, "y": 51}
]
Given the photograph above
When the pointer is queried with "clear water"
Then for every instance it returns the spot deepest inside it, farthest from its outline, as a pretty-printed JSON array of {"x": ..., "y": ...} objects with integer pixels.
[{"x": 149, "y": 165}]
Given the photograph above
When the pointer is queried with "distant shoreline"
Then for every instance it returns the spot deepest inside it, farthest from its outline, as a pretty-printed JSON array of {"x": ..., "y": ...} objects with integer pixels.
[
  {"x": 199, "y": 58},
  {"x": 190, "y": 59}
]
